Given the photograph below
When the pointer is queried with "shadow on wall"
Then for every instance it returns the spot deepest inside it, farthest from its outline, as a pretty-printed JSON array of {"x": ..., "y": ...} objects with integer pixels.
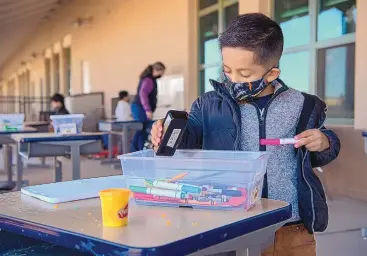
[{"x": 347, "y": 175}]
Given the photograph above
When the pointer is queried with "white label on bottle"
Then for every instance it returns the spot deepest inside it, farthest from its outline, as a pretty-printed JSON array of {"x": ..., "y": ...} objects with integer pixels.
[
  {"x": 174, "y": 136},
  {"x": 67, "y": 129}
]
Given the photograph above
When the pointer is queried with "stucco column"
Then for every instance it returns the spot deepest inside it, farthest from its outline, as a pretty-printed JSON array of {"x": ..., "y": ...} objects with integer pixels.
[{"x": 249, "y": 6}]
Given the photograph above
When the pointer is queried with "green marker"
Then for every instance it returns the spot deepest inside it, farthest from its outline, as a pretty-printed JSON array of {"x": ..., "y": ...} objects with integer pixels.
[
  {"x": 174, "y": 186},
  {"x": 158, "y": 192}
]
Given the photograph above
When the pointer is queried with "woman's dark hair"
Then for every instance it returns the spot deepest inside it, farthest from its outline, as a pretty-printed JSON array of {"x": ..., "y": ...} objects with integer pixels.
[
  {"x": 123, "y": 94},
  {"x": 257, "y": 33},
  {"x": 148, "y": 71},
  {"x": 57, "y": 97}
]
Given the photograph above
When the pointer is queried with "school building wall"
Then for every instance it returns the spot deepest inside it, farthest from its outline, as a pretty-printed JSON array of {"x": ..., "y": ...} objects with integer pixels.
[
  {"x": 127, "y": 35},
  {"x": 123, "y": 38}
]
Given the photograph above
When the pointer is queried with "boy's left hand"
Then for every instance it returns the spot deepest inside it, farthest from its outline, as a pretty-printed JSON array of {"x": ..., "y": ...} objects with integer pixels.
[{"x": 314, "y": 140}]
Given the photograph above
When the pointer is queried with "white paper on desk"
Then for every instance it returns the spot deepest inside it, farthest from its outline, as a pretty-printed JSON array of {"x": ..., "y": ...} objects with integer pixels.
[{"x": 67, "y": 129}]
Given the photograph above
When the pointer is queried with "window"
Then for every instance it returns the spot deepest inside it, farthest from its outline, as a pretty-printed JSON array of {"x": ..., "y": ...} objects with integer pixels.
[
  {"x": 318, "y": 58},
  {"x": 297, "y": 75},
  {"x": 336, "y": 18},
  {"x": 86, "y": 77},
  {"x": 335, "y": 73},
  {"x": 214, "y": 17},
  {"x": 56, "y": 73},
  {"x": 294, "y": 19},
  {"x": 206, "y": 3},
  {"x": 67, "y": 70},
  {"x": 48, "y": 77}
]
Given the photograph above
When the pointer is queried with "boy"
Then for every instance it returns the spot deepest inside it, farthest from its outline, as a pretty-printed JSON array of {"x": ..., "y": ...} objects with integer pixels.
[
  {"x": 58, "y": 105},
  {"x": 123, "y": 109},
  {"x": 252, "y": 103}
]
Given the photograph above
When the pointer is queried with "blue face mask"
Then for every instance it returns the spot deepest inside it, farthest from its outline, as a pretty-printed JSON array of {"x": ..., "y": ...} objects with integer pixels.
[{"x": 245, "y": 91}]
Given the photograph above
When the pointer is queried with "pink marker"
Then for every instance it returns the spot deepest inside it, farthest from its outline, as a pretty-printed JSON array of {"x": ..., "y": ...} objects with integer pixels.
[{"x": 288, "y": 141}]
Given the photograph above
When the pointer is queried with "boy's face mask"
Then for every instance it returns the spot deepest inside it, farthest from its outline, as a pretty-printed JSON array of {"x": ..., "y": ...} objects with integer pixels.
[{"x": 245, "y": 91}]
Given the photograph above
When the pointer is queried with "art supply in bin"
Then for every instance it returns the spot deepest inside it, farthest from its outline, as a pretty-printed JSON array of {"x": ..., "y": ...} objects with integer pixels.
[
  {"x": 174, "y": 186},
  {"x": 182, "y": 194},
  {"x": 158, "y": 192}
]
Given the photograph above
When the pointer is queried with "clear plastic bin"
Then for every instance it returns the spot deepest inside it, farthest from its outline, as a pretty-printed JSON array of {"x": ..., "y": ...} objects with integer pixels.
[
  {"x": 11, "y": 122},
  {"x": 195, "y": 178},
  {"x": 67, "y": 124}
]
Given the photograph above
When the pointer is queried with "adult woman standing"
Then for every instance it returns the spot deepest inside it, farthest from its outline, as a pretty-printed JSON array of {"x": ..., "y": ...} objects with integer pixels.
[{"x": 145, "y": 102}]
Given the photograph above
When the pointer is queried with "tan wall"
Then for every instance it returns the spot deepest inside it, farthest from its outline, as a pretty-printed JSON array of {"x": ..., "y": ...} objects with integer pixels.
[
  {"x": 123, "y": 39},
  {"x": 347, "y": 176},
  {"x": 264, "y": 6}
]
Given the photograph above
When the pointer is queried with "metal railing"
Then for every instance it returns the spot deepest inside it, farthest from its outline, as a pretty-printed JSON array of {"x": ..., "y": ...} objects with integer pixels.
[{"x": 32, "y": 107}]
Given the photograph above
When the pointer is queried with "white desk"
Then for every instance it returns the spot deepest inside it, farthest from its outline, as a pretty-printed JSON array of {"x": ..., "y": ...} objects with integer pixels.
[
  {"x": 151, "y": 230},
  {"x": 51, "y": 145}
]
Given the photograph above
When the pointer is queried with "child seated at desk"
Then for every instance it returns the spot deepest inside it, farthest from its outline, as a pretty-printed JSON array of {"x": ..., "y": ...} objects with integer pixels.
[
  {"x": 58, "y": 105},
  {"x": 123, "y": 109},
  {"x": 252, "y": 103}
]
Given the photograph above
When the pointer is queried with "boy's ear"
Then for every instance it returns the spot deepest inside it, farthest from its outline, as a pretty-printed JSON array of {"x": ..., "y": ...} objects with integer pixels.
[{"x": 272, "y": 75}]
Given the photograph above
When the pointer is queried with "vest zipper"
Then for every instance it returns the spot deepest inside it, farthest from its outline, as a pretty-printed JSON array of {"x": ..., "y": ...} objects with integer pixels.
[{"x": 262, "y": 132}]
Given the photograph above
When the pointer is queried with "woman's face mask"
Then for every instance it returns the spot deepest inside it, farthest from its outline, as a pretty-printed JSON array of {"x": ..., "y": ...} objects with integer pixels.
[{"x": 245, "y": 91}]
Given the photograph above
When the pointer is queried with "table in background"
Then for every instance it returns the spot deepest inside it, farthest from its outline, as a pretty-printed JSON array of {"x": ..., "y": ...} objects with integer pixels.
[
  {"x": 6, "y": 141},
  {"x": 122, "y": 128},
  {"x": 41, "y": 126},
  {"x": 151, "y": 230},
  {"x": 51, "y": 145}
]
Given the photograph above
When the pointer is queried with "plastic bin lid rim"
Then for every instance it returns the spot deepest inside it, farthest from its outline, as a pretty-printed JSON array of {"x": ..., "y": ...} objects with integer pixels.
[
  {"x": 52, "y": 117},
  {"x": 261, "y": 155}
]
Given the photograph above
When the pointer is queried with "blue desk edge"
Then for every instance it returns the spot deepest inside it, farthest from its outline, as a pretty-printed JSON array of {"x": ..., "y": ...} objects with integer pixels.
[
  {"x": 185, "y": 246},
  {"x": 63, "y": 138}
]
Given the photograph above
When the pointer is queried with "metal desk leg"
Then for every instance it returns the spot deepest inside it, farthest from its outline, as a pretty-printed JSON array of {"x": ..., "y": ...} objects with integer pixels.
[
  {"x": 19, "y": 169},
  {"x": 75, "y": 159},
  {"x": 8, "y": 162},
  {"x": 110, "y": 146},
  {"x": 125, "y": 140},
  {"x": 57, "y": 170}
]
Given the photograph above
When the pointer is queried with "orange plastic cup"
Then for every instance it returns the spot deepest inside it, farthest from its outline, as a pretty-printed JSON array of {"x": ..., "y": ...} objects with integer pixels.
[{"x": 115, "y": 206}]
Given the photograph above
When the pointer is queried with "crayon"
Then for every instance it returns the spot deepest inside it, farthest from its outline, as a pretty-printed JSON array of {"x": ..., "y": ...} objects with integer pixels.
[
  {"x": 178, "y": 177},
  {"x": 158, "y": 192},
  {"x": 175, "y": 186}
]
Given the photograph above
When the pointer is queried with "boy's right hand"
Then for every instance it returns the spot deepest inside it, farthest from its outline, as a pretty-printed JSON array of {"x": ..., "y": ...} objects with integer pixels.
[{"x": 156, "y": 132}]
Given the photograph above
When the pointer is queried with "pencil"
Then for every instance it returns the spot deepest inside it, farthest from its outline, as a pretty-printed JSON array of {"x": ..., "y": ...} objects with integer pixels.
[{"x": 178, "y": 177}]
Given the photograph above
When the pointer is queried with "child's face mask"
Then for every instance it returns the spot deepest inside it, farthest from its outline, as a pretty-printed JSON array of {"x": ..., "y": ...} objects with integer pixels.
[{"x": 245, "y": 91}]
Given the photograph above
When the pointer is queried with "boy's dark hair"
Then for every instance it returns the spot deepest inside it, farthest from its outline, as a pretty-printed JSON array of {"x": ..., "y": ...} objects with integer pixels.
[
  {"x": 123, "y": 94},
  {"x": 57, "y": 97},
  {"x": 257, "y": 33}
]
